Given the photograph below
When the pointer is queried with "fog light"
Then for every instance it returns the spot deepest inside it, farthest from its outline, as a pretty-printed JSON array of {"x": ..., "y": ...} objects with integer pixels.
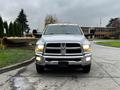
[
  {"x": 38, "y": 58},
  {"x": 88, "y": 58}
]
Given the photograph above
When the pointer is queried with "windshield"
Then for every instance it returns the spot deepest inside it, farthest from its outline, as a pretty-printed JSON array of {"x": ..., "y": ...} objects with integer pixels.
[{"x": 62, "y": 29}]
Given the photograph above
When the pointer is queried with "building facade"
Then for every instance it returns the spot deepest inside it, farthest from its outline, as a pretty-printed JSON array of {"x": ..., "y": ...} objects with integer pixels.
[{"x": 99, "y": 32}]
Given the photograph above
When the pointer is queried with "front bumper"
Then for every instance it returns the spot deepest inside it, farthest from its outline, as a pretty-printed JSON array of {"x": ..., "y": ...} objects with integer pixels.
[{"x": 83, "y": 60}]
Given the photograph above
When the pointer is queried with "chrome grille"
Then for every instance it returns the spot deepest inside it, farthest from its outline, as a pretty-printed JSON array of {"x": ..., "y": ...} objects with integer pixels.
[{"x": 62, "y": 49}]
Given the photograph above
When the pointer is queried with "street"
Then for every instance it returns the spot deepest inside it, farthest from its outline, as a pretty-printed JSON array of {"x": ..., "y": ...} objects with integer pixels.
[{"x": 104, "y": 75}]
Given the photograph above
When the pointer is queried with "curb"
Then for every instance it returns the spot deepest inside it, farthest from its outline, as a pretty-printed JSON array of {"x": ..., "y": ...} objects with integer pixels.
[{"x": 15, "y": 66}]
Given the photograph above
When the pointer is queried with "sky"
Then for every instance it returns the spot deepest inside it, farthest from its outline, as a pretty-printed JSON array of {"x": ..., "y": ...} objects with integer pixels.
[{"x": 82, "y": 12}]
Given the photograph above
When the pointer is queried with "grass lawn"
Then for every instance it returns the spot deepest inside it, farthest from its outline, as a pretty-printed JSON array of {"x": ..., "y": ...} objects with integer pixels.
[
  {"x": 113, "y": 43},
  {"x": 10, "y": 56}
]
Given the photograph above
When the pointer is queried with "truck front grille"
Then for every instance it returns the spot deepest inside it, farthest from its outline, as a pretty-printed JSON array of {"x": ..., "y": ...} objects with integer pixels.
[{"x": 63, "y": 49}]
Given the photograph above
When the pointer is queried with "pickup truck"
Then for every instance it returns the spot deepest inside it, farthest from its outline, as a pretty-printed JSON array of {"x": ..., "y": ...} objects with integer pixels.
[{"x": 63, "y": 46}]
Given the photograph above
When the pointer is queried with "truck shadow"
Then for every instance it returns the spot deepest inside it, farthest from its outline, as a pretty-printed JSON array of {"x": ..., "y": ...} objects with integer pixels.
[{"x": 64, "y": 73}]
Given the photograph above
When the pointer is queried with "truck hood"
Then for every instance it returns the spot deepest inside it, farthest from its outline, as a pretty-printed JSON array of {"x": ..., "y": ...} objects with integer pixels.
[{"x": 63, "y": 38}]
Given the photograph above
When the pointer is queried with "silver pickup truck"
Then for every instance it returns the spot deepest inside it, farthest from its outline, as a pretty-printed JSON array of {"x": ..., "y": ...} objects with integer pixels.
[{"x": 63, "y": 46}]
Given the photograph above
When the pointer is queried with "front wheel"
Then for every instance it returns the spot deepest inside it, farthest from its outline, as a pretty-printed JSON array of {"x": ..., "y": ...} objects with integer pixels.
[
  {"x": 39, "y": 69},
  {"x": 86, "y": 68}
]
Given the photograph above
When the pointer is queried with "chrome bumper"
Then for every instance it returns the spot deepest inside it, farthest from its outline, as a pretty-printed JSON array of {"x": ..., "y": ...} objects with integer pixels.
[{"x": 83, "y": 60}]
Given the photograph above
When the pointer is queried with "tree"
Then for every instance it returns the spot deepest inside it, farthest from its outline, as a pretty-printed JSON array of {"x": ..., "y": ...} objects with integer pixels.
[
  {"x": 115, "y": 22},
  {"x": 20, "y": 31},
  {"x": 6, "y": 28},
  {"x": 11, "y": 29},
  {"x": 15, "y": 29},
  {"x": 50, "y": 20},
  {"x": 22, "y": 19},
  {"x": 1, "y": 28}
]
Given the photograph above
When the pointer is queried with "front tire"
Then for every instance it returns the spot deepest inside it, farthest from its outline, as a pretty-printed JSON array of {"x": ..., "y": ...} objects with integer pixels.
[
  {"x": 86, "y": 68},
  {"x": 40, "y": 69}
]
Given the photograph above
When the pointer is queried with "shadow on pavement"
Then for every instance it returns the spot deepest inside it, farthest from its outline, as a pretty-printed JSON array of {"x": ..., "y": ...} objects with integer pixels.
[{"x": 63, "y": 73}]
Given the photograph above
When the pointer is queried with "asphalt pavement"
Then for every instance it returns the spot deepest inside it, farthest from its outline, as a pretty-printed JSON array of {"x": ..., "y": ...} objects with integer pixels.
[{"x": 104, "y": 75}]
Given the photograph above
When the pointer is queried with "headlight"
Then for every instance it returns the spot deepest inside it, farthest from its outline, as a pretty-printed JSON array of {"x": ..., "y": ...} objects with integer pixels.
[
  {"x": 38, "y": 58},
  {"x": 39, "y": 48},
  {"x": 87, "y": 48}
]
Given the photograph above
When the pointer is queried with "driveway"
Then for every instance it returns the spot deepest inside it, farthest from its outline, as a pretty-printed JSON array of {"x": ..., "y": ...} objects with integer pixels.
[{"x": 104, "y": 75}]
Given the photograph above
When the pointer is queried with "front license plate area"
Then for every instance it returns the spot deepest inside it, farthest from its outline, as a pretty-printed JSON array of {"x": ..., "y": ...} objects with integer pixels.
[{"x": 63, "y": 64}]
